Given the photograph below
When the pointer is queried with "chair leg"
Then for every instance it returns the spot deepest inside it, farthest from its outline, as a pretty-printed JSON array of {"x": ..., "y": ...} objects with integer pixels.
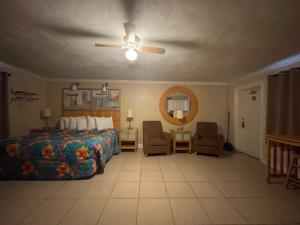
[
  {"x": 289, "y": 172},
  {"x": 296, "y": 168}
]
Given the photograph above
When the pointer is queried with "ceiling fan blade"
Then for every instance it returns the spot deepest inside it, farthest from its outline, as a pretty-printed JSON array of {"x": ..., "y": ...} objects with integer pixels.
[
  {"x": 129, "y": 31},
  {"x": 108, "y": 46},
  {"x": 152, "y": 50},
  {"x": 178, "y": 43},
  {"x": 74, "y": 31}
]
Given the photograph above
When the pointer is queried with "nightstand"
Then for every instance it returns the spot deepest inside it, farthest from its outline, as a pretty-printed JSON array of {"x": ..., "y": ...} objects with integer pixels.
[
  {"x": 128, "y": 139},
  {"x": 40, "y": 130},
  {"x": 182, "y": 140}
]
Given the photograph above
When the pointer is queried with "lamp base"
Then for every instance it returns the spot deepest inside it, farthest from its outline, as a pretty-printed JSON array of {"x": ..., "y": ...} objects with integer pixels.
[
  {"x": 181, "y": 127},
  {"x": 129, "y": 127},
  {"x": 46, "y": 126}
]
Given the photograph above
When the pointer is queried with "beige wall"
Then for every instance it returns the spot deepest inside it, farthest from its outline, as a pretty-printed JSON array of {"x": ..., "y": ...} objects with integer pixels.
[
  {"x": 143, "y": 99},
  {"x": 26, "y": 115}
]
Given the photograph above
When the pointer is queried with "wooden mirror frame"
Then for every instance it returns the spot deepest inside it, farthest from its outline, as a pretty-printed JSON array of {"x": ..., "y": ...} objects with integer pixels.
[{"x": 194, "y": 104}]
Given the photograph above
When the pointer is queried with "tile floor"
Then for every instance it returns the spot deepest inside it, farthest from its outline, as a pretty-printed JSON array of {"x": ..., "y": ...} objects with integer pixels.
[{"x": 179, "y": 189}]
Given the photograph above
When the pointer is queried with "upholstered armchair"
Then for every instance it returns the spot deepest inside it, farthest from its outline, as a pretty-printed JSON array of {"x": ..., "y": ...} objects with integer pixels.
[
  {"x": 207, "y": 140},
  {"x": 154, "y": 139}
]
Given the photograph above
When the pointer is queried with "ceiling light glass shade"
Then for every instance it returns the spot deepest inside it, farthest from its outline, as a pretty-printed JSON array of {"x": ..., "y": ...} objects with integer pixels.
[
  {"x": 131, "y": 54},
  {"x": 74, "y": 87}
]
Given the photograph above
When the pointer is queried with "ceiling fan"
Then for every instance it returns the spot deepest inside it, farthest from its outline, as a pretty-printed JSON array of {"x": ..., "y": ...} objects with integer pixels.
[{"x": 131, "y": 44}]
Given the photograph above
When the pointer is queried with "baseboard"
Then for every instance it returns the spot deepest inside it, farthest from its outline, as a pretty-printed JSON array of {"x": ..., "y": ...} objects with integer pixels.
[{"x": 263, "y": 161}]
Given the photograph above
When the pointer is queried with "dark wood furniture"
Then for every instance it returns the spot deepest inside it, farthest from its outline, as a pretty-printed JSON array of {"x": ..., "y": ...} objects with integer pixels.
[
  {"x": 207, "y": 140},
  {"x": 154, "y": 139},
  {"x": 41, "y": 130},
  {"x": 4, "y": 105},
  {"x": 292, "y": 175},
  {"x": 279, "y": 152}
]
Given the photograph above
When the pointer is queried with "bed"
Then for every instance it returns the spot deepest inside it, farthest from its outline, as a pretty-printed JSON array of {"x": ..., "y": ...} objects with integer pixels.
[
  {"x": 64, "y": 154},
  {"x": 61, "y": 154}
]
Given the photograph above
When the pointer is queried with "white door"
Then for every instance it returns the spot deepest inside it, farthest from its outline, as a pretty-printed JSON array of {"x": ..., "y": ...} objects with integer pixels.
[{"x": 249, "y": 127}]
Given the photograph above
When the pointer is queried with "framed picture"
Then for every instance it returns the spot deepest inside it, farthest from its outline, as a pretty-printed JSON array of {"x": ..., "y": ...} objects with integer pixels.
[
  {"x": 76, "y": 100},
  {"x": 110, "y": 100}
]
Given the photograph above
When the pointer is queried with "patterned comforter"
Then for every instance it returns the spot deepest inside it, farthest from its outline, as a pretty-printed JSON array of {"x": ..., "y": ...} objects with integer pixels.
[{"x": 59, "y": 154}]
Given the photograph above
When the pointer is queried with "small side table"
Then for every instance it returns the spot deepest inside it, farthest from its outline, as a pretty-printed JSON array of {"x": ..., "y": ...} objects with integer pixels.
[
  {"x": 128, "y": 139},
  {"x": 40, "y": 130},
  {"x": 182, "y": 140}
]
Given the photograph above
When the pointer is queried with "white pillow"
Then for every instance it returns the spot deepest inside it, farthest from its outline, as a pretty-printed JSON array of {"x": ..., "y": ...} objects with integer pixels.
[
  {"x": 73, "y": 125},
  {"x": 91, "y": 123},
  {"x": 81, "y": 123},
  {"x": 104, "y": 123},
  {"x": 61, "y": 124},
  {"x": 65, "y": 123}
]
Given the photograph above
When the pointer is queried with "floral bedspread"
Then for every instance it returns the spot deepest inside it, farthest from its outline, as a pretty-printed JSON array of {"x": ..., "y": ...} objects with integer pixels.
[{"x": 61, "y": 154}]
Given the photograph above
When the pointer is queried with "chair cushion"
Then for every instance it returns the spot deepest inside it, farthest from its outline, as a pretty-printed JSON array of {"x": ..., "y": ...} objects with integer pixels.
[
  {"x": 212, "y": 142},
  {"x": 207, "y": 129},
  {"x": 152, "y": 128},
  {"x": 157, "y": 142}
]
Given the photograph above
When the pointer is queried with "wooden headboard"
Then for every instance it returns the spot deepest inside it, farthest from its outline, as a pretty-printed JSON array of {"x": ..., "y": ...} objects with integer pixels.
[{"x": 98, "y": 113}]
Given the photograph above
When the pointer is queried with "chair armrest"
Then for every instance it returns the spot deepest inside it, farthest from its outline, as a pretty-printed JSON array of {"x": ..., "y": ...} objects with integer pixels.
[
  {"x": 221, "y": 139},
  {"x": 165, "y": 135},
  {"x": 145, "y": 139},
  {"x": 196, "y": 137}
]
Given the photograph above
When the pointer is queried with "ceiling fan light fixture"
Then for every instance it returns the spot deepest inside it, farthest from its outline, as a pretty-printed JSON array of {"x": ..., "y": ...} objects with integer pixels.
[
  {"x": 131, "y": 54},
  {"x": 74, "y": 86},
  {"x": 103, "y": 87},
  {"x": 131, "y": 44}
]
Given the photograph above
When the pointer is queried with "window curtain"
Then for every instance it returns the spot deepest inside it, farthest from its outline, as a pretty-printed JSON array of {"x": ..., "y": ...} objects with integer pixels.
[
  {"x": 283, "y": 108},
  {"x": 4, "y": 115}
]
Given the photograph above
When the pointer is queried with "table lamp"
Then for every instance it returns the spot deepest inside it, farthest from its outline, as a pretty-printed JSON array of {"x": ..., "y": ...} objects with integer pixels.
[
  {"x": 129, "y": 118},
  {"x": 179, "y": 115},
  {"x": 46, "y": 113}
]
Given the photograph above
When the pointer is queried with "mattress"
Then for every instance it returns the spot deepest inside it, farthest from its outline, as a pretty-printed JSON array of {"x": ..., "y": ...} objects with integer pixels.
[{"x": 57, "y": 155}]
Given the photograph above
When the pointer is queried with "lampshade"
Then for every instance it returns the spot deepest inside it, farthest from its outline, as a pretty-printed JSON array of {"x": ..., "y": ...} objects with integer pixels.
[
  {"x": 129, "y": 113},
  {"x": 174, "y": 114},
  {"x": 46, "y": 112},
  {"x": 179, "y": 114}
]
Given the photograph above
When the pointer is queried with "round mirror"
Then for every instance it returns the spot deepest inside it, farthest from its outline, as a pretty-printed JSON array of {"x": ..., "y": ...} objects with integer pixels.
[{"x": 178, "y": 105}]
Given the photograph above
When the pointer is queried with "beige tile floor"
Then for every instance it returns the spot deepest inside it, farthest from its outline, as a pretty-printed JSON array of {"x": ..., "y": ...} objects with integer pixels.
[{"x": 179, "y": 189}]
